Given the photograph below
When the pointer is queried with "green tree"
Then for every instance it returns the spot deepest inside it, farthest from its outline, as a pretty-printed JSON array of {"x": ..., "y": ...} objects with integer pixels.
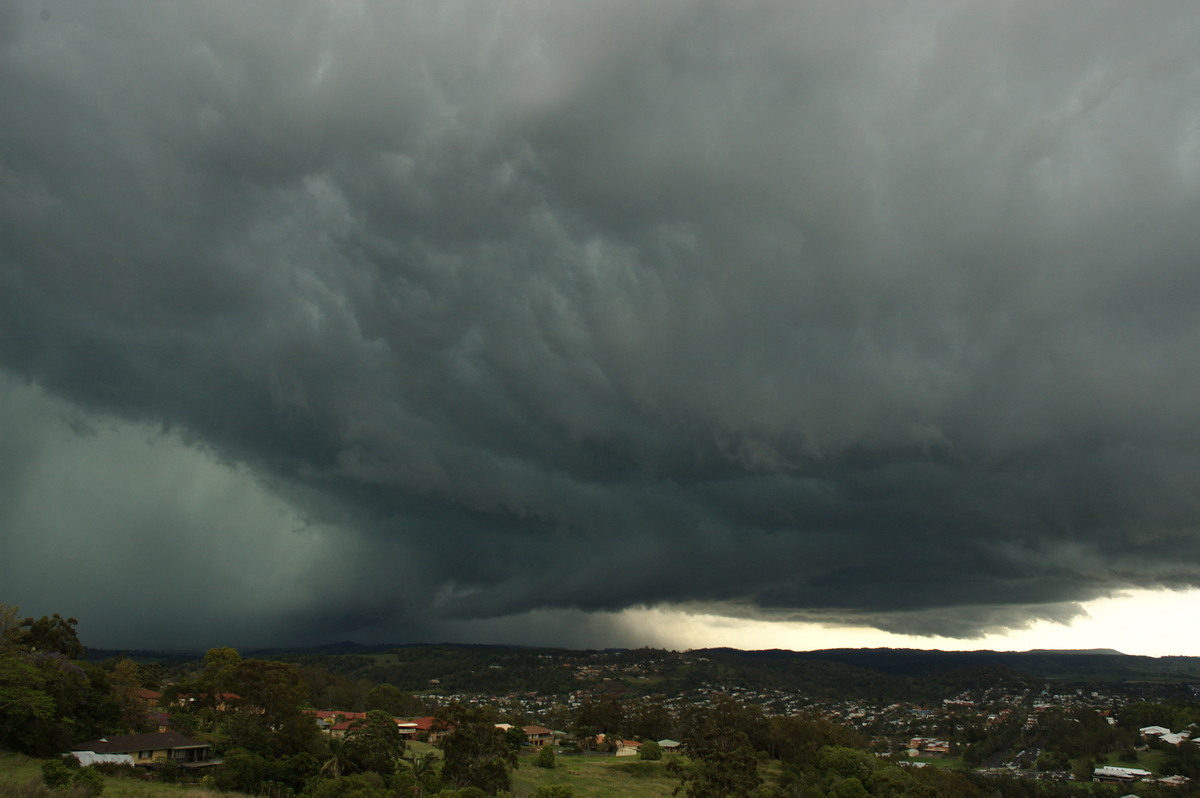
[
  {"x": 269, "y": 715},
  {"x": 391, "y": 700},
  {"x": 423, "y": 773},
  {"x": 341, "y": 759},
  {"x": 54, "y": 634},
  {"x": 1182, "y": 760},
  {"x": 24, "y": 703},
  {"x": 650, "y": 751},
  {"x": 125, "y": 679},
  {"x": 846, "y": 763},
  {"x": 242, "y": 771},
  {"x": 47, "y": 699},
  {"x": 207, "y": 694},
  {"x": 375, "y": 742},
  {"x": 516, "y": 738},
  {"x": 545, "y": 758},
  {"x": 599, "y": 716},
  {"x": 421, "y": 764},
  {"x": 722, "y": 765},
  {"x": 850, "y": 788},
  {"x": 476, "y": 753},
  {"x": 1055, "y": 760},
  {"x": 726, "y": 714},
  {"x": 650, "y": 721},
  {"x": 48, "y": 702},
  {"x": 797, "y": 740},
  {"x": 9, "y": 621}
]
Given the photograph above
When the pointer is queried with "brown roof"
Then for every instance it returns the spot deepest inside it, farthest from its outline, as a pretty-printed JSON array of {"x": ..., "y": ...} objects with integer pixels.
[
  {"x": 124, "y": 743},
  {"x": 537, "y": 730},
  {"x": 333, "y": 713}
]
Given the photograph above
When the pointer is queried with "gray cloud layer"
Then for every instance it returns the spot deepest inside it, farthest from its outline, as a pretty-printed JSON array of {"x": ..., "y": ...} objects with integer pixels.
[{"x": 872, "y": 312}]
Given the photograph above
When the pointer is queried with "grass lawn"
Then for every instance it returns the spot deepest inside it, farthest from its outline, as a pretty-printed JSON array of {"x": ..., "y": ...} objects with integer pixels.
[
  {"x": 1147, "y": 760},
  {"x": 598, "y": 777},
  {"x": 953, "y": 763},
  {"x": 18, "y": 770},
  {"x": 417, "y": 748},
  {"x": 1150, "y": 760}
]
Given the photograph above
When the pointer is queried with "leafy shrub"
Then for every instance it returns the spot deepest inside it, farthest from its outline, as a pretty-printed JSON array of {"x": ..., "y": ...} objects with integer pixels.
[
  {"x": 553, "y": 791},
  {"x": 91, "y": 780},
  {"x": 650, "y": 751},
  {"x": 56, "y": 774}
]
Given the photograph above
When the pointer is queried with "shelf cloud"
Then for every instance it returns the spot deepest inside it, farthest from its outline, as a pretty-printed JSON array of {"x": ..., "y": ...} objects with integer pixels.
[{"x": 449, "y": 313}]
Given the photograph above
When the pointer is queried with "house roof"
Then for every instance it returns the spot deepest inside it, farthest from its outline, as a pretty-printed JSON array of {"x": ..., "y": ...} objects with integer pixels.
[
  {"x": 333, "y": 713},
  {"x": 124, "y": 743},
  {"x": 537, "y": 730}
]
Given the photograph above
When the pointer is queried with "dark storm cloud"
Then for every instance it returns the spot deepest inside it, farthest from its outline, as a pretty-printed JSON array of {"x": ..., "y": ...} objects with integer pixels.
[{"x": 874, "y": 313}]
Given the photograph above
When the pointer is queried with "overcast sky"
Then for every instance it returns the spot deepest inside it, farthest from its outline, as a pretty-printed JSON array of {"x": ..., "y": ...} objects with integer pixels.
[{"x": 528, "y": 320}]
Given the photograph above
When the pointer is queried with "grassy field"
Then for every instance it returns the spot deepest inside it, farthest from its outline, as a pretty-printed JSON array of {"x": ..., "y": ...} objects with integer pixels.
[{"x": 598, "y": 777}]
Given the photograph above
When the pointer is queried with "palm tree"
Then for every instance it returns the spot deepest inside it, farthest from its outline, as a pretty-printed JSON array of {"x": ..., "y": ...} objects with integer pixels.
[
  {"x": 340, "y": 761},
  {"x": 420, "y": 764}
]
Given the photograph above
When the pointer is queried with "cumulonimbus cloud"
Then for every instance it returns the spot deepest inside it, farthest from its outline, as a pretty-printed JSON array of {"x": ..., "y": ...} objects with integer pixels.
[{"x": 881, "y": 316}]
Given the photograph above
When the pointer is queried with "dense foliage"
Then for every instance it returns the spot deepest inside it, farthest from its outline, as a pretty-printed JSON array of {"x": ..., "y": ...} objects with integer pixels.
[{"x": 48, "y": 697}]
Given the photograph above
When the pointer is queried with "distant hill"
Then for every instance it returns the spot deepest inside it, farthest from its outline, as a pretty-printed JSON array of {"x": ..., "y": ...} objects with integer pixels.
[
  {"x": 876, "y": 674},
  {"x": 1106, "y": 651}
]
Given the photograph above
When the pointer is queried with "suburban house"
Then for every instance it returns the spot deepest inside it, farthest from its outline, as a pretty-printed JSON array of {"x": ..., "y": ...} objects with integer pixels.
[
  {"x": 929, "y": 746},
  {"x": 430, "y": 730},
  {"x": 224, "y": 701},
  {"x": 669, "y": 745},
  {"x": 336, "y": 723},
  {"x": 148, "y": 697},
  {"x": 628, "y": 747},
  {"x": 539, "y": 736},
  {"x": 151, "y": 749}
]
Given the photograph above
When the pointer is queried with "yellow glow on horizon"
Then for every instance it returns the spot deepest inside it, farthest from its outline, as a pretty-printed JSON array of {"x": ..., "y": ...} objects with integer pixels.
[{"x": 1146, "y": 622}]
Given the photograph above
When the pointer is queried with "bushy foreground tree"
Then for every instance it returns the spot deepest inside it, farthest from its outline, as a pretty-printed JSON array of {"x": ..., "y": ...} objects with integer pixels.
[
  {"x": 48, "y": 698},
  {"x": 477, "y": 754},
  {"x": 721, "y": 765}
]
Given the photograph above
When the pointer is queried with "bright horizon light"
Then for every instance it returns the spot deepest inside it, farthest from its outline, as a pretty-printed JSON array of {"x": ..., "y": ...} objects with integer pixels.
[{"x": 1152, "y": 623}]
